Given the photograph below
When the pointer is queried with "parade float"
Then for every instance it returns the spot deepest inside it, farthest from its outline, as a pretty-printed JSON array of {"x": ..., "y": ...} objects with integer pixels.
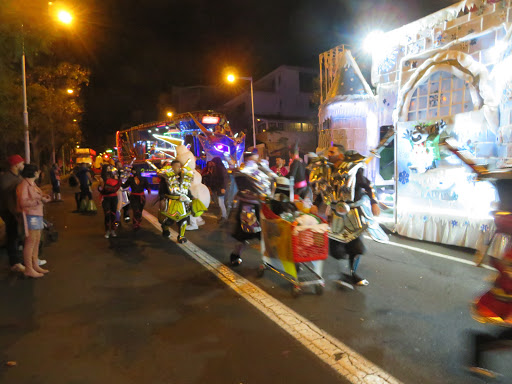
[
  {"x": 206, "y": 133},
  {"x": 445, "y": 75}
]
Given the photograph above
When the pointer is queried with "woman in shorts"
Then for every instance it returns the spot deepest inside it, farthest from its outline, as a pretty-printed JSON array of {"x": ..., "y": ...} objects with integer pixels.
[{"x": 30, "y": 201}]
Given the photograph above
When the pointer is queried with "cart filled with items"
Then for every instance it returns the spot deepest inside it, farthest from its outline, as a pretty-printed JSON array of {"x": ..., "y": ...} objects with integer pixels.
[{"x": 293, "y": 245}]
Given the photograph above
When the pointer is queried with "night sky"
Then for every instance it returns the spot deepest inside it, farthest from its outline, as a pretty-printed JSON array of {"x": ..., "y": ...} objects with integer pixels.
[{"x": 138, "y": 49}]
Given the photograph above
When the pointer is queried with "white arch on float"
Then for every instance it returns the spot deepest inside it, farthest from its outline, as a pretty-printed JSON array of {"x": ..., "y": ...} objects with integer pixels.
[{"x": 461, "y": 65}]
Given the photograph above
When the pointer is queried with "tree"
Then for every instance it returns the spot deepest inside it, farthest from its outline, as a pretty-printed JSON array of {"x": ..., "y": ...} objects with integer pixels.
[
  {"x": 25, "y": 26},
  {"x": 55, "y": 113}
]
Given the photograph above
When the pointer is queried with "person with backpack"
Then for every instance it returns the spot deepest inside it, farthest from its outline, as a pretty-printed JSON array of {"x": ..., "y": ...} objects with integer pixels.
[{"x": 108, "y": 189}]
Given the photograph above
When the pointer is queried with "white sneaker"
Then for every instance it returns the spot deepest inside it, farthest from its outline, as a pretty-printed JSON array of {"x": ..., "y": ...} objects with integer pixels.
[
  {"x": 192, "y": 227},
  {"x": 107, "y": 234},
  {"x": 41, "y": 262},
  {"x": 113, "y": 234},
  {"x": 200, "y": 221}
]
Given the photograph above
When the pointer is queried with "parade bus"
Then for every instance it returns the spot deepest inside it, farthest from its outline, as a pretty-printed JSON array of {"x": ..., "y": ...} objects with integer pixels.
[{"x": 147, "y": 141}]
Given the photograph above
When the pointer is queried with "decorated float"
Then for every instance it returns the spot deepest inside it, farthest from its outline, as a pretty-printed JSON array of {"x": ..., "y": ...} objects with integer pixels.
[
  {"x": 445, "y": 75},
  {"x": 206, "y": 133}
]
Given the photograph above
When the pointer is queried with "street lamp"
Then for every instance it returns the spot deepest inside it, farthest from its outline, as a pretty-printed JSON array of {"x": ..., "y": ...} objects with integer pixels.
[
  {"x": 64, "y": 17},
  {"x": 231, "y": 78},
  {"x": 169, "y": 114},
  {"x": 70, "y": 91}
]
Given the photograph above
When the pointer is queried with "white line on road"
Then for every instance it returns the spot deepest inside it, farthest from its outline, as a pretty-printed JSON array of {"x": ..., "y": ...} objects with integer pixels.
[
  {"x": 336, "y": 354},
  {"x": 436, "y": 254}
]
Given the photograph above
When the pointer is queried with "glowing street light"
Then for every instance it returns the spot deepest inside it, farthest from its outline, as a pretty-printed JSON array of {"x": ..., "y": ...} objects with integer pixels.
[
  {"x": 373, "y": 41},
  {"x": 169, "y": 114},
  {"x": 64, "y": 17},
  {"x": 231, "y": 78},
  {"x": 70, "y": 91}
]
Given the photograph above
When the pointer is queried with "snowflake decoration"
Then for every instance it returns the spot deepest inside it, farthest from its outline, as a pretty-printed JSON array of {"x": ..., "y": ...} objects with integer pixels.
[
  {"x": 439, "y": 39},
  {"x": 403, "y": 177},
  {"x": 484, "y": 227},
  {"x": 466, "y": 223},
  {"x": 472, "y": 42},
  {"x": 389, "y": 62},
  {"x": 425, "y": 218},
  {"x": 454, "y": 223}
]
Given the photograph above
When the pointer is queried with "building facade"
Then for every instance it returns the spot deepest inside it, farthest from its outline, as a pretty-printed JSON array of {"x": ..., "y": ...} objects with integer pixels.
[{"x": 283, "y": 107}]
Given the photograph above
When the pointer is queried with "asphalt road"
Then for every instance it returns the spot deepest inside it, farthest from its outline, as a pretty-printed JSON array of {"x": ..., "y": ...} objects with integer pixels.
[
  {"x": 412, "y": 320},
  {"x": 137, "y": 309}
]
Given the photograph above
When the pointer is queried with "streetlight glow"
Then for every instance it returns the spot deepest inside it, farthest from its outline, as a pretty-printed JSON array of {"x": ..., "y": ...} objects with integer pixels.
[
  {"x": 373, "y": 41},
  {"x": 169, "y": 114},
  {"x": 65, "y": 17},
  {"x": 70, "y": 91},
  {"x": 231, "y": 78}
]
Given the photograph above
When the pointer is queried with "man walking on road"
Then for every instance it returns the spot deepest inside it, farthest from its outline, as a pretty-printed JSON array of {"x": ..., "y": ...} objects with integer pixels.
[{"x": 8, "y": 183}]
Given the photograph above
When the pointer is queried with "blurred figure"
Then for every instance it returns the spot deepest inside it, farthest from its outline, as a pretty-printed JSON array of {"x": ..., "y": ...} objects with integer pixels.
[
  {"x": 55, "y": 180},
  {"x": 85, "y": 181},
  {"x": 9, "y": 180},
  {"x": 298, "y": 172},
  {"x": 75, "y": 187},
  {"x": 218, "y": 183},
  {"x": 30, "y": 205},
  {"x": 108, "y": 190},
  {"x": 280, "y": 169},
  {"x": 137, "y": 185}
]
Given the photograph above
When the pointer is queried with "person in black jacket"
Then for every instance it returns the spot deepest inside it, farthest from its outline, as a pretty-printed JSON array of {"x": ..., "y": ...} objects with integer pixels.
[
  {"x": 218, "y": 183},
  {"x": 298, "y": 172},
  {"x": 137, "y": 185}
]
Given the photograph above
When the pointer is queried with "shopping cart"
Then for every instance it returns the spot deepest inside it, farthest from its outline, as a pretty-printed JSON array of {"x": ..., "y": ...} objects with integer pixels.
[{"x": 294, "y": 253}]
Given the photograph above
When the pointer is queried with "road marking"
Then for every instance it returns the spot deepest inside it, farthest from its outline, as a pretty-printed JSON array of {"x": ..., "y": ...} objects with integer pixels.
[
  {"x": 348, "y": 363},
  {"x": 436, "y": 254}
]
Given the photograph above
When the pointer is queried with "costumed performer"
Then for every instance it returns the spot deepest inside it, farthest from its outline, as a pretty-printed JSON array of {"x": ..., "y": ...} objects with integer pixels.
[
  {"x": 253, "y": 180},
  {"x": 353, "y": 248}
]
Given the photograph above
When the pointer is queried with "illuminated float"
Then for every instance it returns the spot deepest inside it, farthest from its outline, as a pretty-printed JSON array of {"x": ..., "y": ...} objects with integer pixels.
[{"x": 446, "y": 74}]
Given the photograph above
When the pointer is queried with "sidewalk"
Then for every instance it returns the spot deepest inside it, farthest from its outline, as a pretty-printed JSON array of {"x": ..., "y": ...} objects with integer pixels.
[{"x": 136, "y": 309}]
